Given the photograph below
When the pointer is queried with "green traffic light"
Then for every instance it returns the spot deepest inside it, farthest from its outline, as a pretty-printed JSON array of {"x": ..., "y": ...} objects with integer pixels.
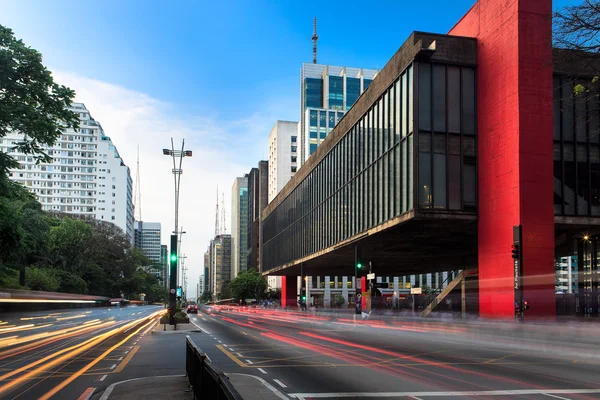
[
  {"x": 359, "y": 265},
  {"x": 173, "y": 257},
  {"x": 303, "y": 297}
]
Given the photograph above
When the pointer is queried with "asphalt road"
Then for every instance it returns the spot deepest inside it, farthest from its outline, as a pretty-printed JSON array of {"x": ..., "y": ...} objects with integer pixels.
[
  {"x": 62, "y": 354},
  {"x": 322, "y": 356}
]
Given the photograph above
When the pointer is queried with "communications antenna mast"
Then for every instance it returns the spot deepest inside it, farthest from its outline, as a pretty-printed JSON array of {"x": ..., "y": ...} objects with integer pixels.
[
  {"x": 217, "y": 216},
  {"x": 314, "y": 40},
  {"x": 137, "y": 201},
  {"x": 223, "y": 224}
]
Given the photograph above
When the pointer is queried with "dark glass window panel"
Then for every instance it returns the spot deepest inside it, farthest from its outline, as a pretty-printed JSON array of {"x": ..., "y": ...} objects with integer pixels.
[
  {"x": 336, "y": 92},
  {"x": 439, "y": 143},
  {"x": 569, "y": 192},
  {"x": 323, "y": 135},
  {"x": 469, "y": 117},
  {"x": 352, "y": 91},
  {"x": 556, "y": 106},
  {"x": 453, "y": 99},
  {"x": 331, "y": 120},
  {"x": 404, "y": 182},
  {"x": 454, "y": 181},
  {"x": 470, "y": 186},
  {"x": 469, "y": 148},
  {"x": 583, "y": 193},
  {"x": 398, "y": 97},
  {"x": 313, "y": 148},
  {"x": 386, "y": 121},
  {"x": 313, "y": 134},
  {"x": 567, "y": 110},
  {"x": 580, "y": 117},
  {"x": 595, "y": 179},
  {"x": 313, "y": 118},
  {"x": 313, "y": 89},
  {"x": 409, "y": 75},
  {"x": 439, "y": 98},
  {"x": 454, "y": 144},
  {"x": 410, "y": 172},
  {"x": 403, "y": 127},
  {"x": 425, "y": 195},
  {"x": 366, "y": 83},
  {"x": 594, "y": 119},
  {"x": 322, "y": 120},
  {"x": 424, "y": 96},
  {"x": 424, "y": 142},
  {"x": 439, "y": 180}
]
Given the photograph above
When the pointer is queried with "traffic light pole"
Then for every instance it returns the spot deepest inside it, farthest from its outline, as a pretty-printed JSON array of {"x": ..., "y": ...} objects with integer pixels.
[
  {"x": 173, "y": 280},
  {"x": 517, "y": 256},
  {"x": 357, "y": 284}
]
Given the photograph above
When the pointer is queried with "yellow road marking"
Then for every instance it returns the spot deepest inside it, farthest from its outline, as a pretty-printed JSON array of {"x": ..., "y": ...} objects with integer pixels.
[
  {"x": 230, "y": 355},
  {"x": 498, "y": 359},
  {"x": 126, "y": 360}
]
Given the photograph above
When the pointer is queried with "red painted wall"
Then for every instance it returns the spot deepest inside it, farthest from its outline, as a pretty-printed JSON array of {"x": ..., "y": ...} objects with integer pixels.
[
  {"x": 364, "y": 286},
  {"x": 289, "y": 291},
  {"x": 514, "y": 89}
]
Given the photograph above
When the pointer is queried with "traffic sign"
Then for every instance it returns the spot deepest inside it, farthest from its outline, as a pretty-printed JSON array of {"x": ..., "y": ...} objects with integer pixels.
[
  {"x": 370, "y": 276},
  {"x": 172, "y": 291},
  {"x": 415, "y": 290}
]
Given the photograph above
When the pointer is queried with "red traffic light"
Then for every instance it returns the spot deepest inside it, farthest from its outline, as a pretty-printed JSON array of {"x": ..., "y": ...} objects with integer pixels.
[{"x": 516, "y": 253}]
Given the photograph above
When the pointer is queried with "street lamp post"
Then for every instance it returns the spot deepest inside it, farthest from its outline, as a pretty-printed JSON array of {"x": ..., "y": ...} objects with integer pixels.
[{"x": 177, "y": 155}]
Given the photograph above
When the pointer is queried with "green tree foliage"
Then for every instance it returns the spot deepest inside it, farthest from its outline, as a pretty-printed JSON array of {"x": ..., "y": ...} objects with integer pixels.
[
  {"x": 43, "y": 279},
  {"x": 30, "y": 101},
  {"x": 339, "y": 300},
  {"x": 206, "y": 297},
  {"x": 248, "y": 284}
]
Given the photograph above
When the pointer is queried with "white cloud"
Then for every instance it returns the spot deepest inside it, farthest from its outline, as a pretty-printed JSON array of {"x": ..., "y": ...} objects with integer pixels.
[{"x": 222, "y": 149}]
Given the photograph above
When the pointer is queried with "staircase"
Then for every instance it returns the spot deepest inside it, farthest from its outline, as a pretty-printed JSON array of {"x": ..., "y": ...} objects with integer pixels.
[{"x": 451, "y": 286}]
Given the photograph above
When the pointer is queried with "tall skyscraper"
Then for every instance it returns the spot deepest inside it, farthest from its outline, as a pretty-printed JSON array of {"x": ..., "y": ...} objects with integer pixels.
[
  {"x": 239, "y": 225},
  {"x": 283, "y": 155},
  {"x": 86, "y": 177},
  {"x": 220, "y": 263},
  {"x": 257, "y": 201},
  {"x": 147, "y": 239},
  {"x": 327, "y": 92}
]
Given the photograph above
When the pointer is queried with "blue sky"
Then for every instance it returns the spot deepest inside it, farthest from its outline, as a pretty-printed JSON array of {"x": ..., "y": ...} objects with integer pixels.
[{"x": 217, "y": 73}]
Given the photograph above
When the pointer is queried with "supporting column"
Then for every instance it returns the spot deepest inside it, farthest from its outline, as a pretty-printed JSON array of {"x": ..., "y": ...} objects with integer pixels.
[
  {"x": 514, "y": 145},
  {"x": 289, "y": 291},
  {"x": 463, "y": 297}
]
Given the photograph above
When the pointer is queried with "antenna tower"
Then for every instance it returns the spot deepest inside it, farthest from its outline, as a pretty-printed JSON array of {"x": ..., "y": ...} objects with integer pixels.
[
  {"x": 137, "y": 200},
  {"x": 223, "y": 224},
  {"x": 217, "y": 216},
  {"x": 314, "y": 40}
]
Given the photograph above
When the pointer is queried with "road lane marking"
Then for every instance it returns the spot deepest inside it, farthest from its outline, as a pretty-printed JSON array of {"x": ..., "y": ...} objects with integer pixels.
[
  {"x": 261, "y": 380},
  {"x": 263, "y": 371},
  {"x": 277, "y": 381},
  {"x": 515, "y": 392},
  {"x": 103, "y": 378},
  {"x": 249, "y": 362},
  {"x": 239, "y": 355},
  {"x": 120, "y": 359},
  {"x": 556, "y": 397},
  {"x": 110, "y": 389},
  {"x": 231, "y": 356},
  {"x": 113, "y": 366},
  {"x": 87, "y": 394},
  {"x": 124, "y": 363}
]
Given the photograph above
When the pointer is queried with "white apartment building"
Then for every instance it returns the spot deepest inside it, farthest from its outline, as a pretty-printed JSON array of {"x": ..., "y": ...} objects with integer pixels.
[
  {"x": 70, "y": 183},
  {"x": 283, "y": 155}
]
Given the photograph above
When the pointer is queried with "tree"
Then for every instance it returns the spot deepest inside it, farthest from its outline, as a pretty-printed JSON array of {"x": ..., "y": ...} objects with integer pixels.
[
  {"x": 69, "y": 244},
  {"x": 43, "y": 279},
  {"x": 340, "y": 300},
  {"x": 206, "y": 297},
  {"x": 248, "y": 284},
  {"x": 30, "y": 102}
]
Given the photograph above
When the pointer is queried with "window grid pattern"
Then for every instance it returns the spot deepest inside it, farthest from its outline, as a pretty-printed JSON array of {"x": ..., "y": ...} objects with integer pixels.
[{"x": 355, "y": 187}]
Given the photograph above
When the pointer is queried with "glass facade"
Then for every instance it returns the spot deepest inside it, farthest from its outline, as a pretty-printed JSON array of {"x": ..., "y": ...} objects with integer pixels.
[
  {"x": 243, "y": 221},
  {"x": 447, "y": 142},
  {"x": 313, "y": 89},
  {"x": 364, "y": 180},
  {"x": 321, "y": 123},
  {"x": 352, "y": 91},
  {"x": 576, "y": 149},
  {"x": 336, "y": 92}
]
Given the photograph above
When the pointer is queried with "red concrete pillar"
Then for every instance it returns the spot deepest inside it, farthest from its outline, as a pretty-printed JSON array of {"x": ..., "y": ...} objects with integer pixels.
[
  {"x": 289, "y": 291},
  {"x": 364, "y": 288},
  {"x": 515, "y": 170}
]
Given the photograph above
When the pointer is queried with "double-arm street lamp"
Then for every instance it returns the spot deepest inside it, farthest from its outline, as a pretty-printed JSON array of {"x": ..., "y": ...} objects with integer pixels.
[{"x": 177, "y": 156}]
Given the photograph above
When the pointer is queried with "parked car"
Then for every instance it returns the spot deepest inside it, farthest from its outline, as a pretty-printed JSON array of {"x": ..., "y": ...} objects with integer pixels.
[{"x": 192, "y": 308}]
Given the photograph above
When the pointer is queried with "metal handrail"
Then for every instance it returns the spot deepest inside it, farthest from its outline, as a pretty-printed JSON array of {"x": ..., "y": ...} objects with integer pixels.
[{"x": 207, "y": 382}]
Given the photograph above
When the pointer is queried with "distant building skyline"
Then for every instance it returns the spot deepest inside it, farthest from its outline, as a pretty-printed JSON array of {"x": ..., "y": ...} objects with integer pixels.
[{"x": 239, "y": 225}]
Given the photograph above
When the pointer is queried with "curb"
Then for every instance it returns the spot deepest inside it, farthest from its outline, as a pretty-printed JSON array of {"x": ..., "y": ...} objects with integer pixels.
[
  {"x": 265, "y": 383},
  {"x": 109, "y": 389}
]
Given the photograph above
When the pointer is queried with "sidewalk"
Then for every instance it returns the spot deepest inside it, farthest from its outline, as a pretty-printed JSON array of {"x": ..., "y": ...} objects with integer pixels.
[{"x": 155, "y": 387}]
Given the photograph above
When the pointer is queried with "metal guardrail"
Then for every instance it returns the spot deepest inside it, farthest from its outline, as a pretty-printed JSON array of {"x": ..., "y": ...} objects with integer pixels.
[{"x": 206, "y": 381}]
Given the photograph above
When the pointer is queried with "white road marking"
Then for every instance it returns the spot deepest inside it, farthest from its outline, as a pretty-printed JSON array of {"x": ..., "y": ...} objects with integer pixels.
[
  {"x": 263, "y": 371},
  {"x": 239, "y": 355},
  {"x": 120, "y": 359},
  {"x": 415, "y": 397},
  {"x": 249, "y": 362},
  {"x": 516, "y": 392},
  {"x": 277, "y": 381},
  {"x": 261, "y": 380},
  {"x": 204, "y": 319},
  {"x": 556, "y": 397},
  {"x": 219, "y": 341},
  {"x": 103, "y": 378},
  {"x": 230, "y": 349},
  {"x": 127, "y": 352},
  {"x": 114, "y": 366}
]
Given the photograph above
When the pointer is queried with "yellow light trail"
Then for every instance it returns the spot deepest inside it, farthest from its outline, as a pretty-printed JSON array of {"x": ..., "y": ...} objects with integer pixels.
[
  {"x": 65, "y": 354},
  {"x": 77, "y": 374},
  {"x": 16, "y": 328},
  {"x": 71, "y": 317}
]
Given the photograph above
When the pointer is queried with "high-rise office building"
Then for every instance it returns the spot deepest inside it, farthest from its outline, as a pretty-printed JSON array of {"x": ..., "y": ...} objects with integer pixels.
[
  {"x": 147, "y": 239},
  {"x": 239, "y": 225},
  {"x": 327, "y": 92},
  {"x": 207, "y": 269},
  {"x": 220, "y": 263},
  {"x": 257, "y": 201},
  {"x": 86, "y": 177},
  {"x": 283, "y": 155},
  {"x": 200, "y": 288}
]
